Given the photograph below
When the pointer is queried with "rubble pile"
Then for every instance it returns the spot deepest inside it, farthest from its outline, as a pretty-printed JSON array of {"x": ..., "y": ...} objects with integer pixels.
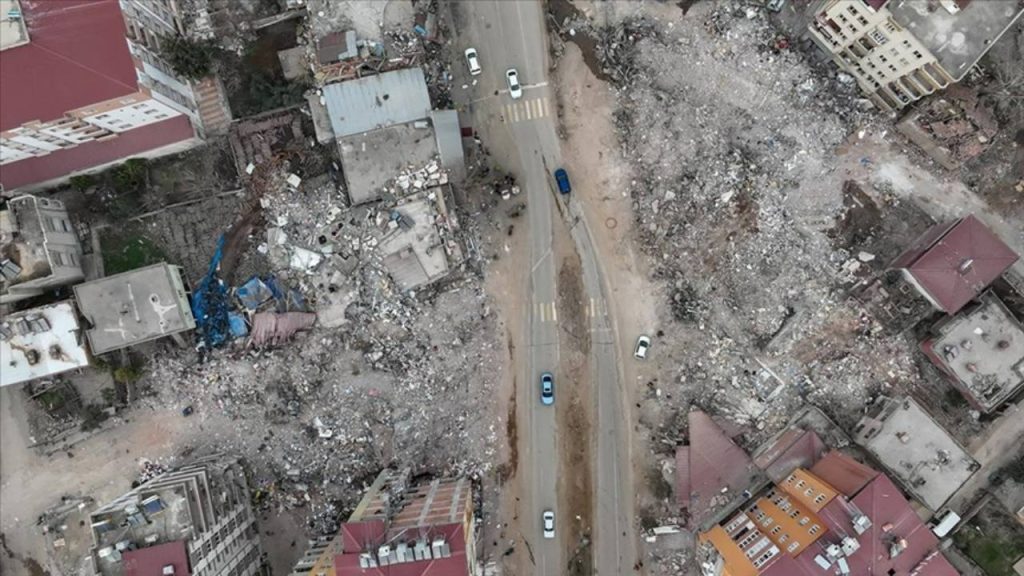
[
  {"x": 732, "y": 136},
  {"x": 385, "y": 377}
]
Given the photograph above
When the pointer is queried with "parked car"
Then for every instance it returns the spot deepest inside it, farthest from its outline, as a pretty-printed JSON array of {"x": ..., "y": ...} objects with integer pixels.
[
  {"x": 549, "y": 524},
  {"x": 562, "y": 177},
  {"x": 515, "y": 90},
  {"x": 643, "y": 343},
  {"x": 547, "y": 389},
  {"x": 775, "y": 5},
  {"x": 473, "y": 62}
]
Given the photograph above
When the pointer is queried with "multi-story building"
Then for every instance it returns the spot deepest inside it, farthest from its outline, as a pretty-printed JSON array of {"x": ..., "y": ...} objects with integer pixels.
[
  {"x": 40, "y": 342},
  {"x": 902, "y": 50},
  {"x": 39, "y": 250},
  {"x": 135, "y": 307},
  {"x": 839, "y": 517},
  {"x": 400, "y": 529},
  {"x": 151, "y": 23},
  {"x": 981, "y": 349},
  {"x": 195, "y": 519},
  {"x": 83, "y": 89}
]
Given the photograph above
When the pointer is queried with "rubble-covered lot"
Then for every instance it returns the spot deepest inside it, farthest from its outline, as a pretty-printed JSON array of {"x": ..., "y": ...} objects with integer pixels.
[{"x": 764, "y": 195}]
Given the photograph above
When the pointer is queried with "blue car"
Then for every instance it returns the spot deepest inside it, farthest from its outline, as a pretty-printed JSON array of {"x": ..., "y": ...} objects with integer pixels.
[
  {"x": 547, "y": 389},
  {"x": 562, "y": 177}
]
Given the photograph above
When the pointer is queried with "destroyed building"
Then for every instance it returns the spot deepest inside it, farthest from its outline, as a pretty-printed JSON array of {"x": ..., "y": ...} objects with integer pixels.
[
  {"x": 711, "y": 470},
  {"x": 397, "y": 528},
  {"x": 954, "y": 262},
  {"x": 383, "y": 124},
  {"x": 39, "y": 250},
  {"x": 981, "y": 349},
  {"x": 927, "y": 461},
  {"x": 900, "y": 51},
  {"x": 807, "y": 525},
  {"x": 196, "y": 519},
  {"x": 134, "y": 307},
  {"x": 40, "y": 342},
  {"x": 84, "y": 105}
]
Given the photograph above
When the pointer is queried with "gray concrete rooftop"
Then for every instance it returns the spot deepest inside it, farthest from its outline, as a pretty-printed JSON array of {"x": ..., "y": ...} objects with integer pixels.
[
  {"x": 984, "y": 349},
  {"x": 415, "y": 256},
  {"x": 371, "y": 159},
  {"x": 134, "y": 307},
  {"x": 926, "y": 459},
  {"x": 957, "y": 40}
]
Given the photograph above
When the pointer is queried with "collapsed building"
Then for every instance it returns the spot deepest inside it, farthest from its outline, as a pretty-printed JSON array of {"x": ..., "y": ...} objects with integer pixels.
[
  {"x": 929, "y": 463},
  {"x": 981, "y": 350},
  {"x": 134, "y": 307},
  {"x": 838, "y": 517},
  {"x": 195, "y": 520},
  {"x": 39, "y": 343},
  {"x": 39, "y": 249},
  {"x": 900, "y": 51},
  {"x": 399, "y": 528}
]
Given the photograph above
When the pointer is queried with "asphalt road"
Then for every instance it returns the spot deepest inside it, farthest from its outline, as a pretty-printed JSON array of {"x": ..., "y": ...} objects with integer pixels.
[{"x": 521, "y": 134}]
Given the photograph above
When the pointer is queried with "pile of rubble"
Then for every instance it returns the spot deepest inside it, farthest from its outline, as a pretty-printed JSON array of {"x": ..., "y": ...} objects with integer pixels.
[
  {"x": 384, "y": 377},
  {"x": 733, "y": 138}
]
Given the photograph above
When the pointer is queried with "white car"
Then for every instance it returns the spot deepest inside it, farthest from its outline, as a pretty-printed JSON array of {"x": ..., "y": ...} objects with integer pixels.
[
  {"x": 473, "y": 62},
  {"x": 515, "y": 90},
  {"x": 643, "y": 343},
  {"x": 549, "y": 524}
]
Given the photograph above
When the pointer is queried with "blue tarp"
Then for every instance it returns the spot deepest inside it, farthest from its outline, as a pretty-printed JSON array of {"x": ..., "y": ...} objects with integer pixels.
[
  {"x": 236, "y": 322},
  {"x": 210, "y": 304}
]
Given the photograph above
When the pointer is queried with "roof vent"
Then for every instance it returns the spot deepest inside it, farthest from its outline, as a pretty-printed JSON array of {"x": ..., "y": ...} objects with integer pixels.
[
  {"x": 850, "y": 545},
  {"x": 421, "y": 551},
  {"x": 168, "y": 570},
  {"x": 965, "y": 266},
  {"x": 861, "y": 523},
  {"x": 366, "y": 560},
  {"x": 384, "y": 555},
  {"x": 403, "y": 553}
]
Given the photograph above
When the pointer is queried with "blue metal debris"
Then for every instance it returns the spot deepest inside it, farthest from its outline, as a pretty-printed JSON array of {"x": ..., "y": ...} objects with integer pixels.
[
  {"x": 237, "y": 325},
  {"x": 210, "y": 304}
]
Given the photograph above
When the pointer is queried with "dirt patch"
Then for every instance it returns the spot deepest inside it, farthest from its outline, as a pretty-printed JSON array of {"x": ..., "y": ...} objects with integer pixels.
[
  {"x": 509, "y": 469},
  {"x": 563, "y": 13},
  {"x": 574, "y": 417}
]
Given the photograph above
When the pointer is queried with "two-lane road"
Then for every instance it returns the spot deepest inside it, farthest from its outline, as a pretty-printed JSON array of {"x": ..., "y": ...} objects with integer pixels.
[{"x": 521, "y": 134}]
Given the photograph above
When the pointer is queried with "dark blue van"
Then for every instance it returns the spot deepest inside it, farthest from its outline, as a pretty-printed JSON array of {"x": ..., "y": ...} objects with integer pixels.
[{"x": 562, "y": 177}]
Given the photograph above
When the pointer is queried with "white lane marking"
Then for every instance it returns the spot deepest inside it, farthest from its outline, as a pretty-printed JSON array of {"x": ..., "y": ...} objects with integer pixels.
[
  {"x": 554, "y": 313},
  {"x": 529, "y": 110}
]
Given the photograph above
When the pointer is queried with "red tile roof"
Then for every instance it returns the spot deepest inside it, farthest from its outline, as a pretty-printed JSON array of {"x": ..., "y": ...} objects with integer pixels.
[
  {"x": 715, "y": 462},
  {"x": 954, "y": 262},
  {"x": 844, "y": 473},
  {"x": 151, "y": 561},
  {"x": 63, "y": 162},
  {"x": 347, "y": 564},
  {"x": 886, "y": 506},
  {"x": 795, "y": 448},
  {"x": 77, "y": 55}
]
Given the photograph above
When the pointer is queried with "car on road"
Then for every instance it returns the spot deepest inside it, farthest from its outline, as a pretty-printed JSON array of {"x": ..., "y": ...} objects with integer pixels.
[
  {"x": 547, "y": 389},
  {"x": 549, "y": 524},
  {"x": 515, "y": 90},
  {"x": 473, "y": 62},
  {"x": 562, "y": 178},
  {"x": 643, "y": 343}
]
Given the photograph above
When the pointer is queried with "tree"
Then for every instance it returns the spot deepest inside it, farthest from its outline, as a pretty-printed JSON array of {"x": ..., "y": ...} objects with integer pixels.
[{"x": 192, "y": 59}]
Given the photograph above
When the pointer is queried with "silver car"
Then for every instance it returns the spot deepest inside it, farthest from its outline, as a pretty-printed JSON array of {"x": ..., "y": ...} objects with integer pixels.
[
  {"x": 549, "y": 524},
  {"x": 643, "y": 344}
]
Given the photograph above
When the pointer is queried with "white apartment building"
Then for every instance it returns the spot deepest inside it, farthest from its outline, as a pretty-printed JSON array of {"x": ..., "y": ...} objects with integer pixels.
[
  {"x": 39, "y": 249},
  {"x": 900, "y": 51}
]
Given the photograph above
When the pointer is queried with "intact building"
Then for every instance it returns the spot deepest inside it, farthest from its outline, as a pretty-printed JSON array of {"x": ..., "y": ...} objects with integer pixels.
[
  {"x": 805, "y": 525},
  {"x": 195, "y": 519},
  {"x": 134, "y": 307},
  {"x": 40, "y": 342},
  {"x": 401, "y": 529},
  {"x": 981, "y": 349},
  {"x": 954, "y": 262},
  {"x": 39, "y": 250},
  {"x": 72, "y": 96},
  {"x": 902, "y": 50}
]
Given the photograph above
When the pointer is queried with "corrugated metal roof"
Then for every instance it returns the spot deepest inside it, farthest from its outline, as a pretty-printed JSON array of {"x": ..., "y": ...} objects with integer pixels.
[
  {"x": 395, "y": 97},
  {"x": 843, "y": 473},
  {"x": 795, "y": 448},
  {"x": 151, "y": 561}
]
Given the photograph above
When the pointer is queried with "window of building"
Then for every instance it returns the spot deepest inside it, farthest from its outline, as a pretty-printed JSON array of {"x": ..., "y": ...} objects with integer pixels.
[
  {"x": 813, "y": 530},
  {"x": 819, "y": 498},
  {"x": 805, "y": 521},
  {"x": 65, "y": 225},
  {"x": 794, "y": 513},
  {"x": 852, "y": 9},
  {"x": 878, "y": 37},
  {"x": 863, "y": 21},
  {"x": 48, "y": 225},
  {"x": 783, "y": 538},
  {"x": 776, "y": 530},
  {"x": 57, "y": 258},
  {"x": 73, "y": 258},
  {"x": 800, "y": 484},
  {"x": 767, "y": 522},
  {"x": 918, "y": 55},
  {"x": 793, "y": 546}
]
